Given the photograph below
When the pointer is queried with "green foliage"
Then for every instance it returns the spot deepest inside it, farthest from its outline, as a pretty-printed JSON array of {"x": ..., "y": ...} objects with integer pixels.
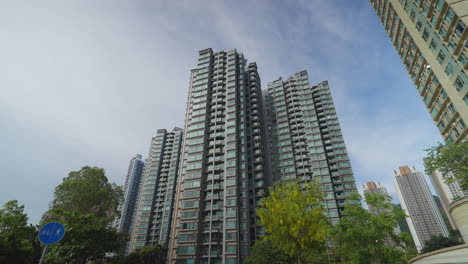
[
  {"x": 263, "y": 252},
  {"x": 147, "y": 255},
  {"x": 86, "y": 204},
  {"x": 449, "y": 158},
  {"x": 293, "y": 218},
  {"x": 18, "y": 242},
  {"x": 360, "y": 237},
  {"x": 87, "y": 238},
  {"x": 439, "y": 242},
  {"x": 88, "y": 191}
]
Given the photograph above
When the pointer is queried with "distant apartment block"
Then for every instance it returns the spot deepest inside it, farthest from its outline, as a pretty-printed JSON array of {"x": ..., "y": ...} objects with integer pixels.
[
  {"x": 447, "y": 193},
  {"x": 155, "y": 208},
  {"x": 424, "y": 218},
  {"x": 222, "y": 175},
  {"x": 128, "y": 207},
  {"x": 430, "y": 37},
  {"x": 306, "y": 142},
  {"x": 375, "y": 187}
]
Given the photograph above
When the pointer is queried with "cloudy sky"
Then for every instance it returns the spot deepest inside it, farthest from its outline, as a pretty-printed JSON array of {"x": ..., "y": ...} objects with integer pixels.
[{"x": 85, "y": 82}]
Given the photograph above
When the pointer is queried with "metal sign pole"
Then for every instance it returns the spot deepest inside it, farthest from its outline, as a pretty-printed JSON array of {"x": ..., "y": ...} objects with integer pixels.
[{"x": 43, "y": 254}]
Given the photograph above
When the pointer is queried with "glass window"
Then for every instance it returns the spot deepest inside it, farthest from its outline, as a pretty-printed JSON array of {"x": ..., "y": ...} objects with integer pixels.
[
  {"x": 231, "y": 224},
  {"x": 439, "y": 4},
  {"x": 186, "y": 250},
  {"x": 433, "y": 20},
  {"x": 189, "y": 214},
  {"x": 187, "y": 237},
  {"x": 433, "y": 45},
  {"x": 413, "y": 15},
  {"x": 231, "y": 248},
  {"x": 452, "y": 109},
  {"x": 462, "y": 59},
  {"x": 452, "y": 44},
  {"x": 449, "y": 69},
  {"x": 441, "y": 56},
  {"x": 449, "y": 16},
  {"x": 459, "y": 83},
  {"x": 441, "y": 125},
  {"x": 188, "y": 226},
  {"x": 425, "y": 34},
  {"x": 443, "y": 32},
  {"x": 450, "y": 139},
  {"x": 459, "y": 28}
]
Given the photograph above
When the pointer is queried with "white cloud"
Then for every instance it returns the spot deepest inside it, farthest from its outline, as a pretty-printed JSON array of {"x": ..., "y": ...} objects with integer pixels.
[{"x": 89, "y": 82}]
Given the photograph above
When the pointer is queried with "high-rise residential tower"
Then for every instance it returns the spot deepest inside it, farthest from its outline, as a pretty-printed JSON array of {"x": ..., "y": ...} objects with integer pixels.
[
  {"x": 128, "y": 206},
  {"x": 306, "y": 141},
  {"x": 155, "y": 208},
  {"x": 370, "y": 188},
  {"x": 375, "y": 187},
  {"x": 222, "y": 163},
  {"x": 430, "y": 37},
  {"x": 446, "y": 192},
  {"x": 424, "y": 218}
]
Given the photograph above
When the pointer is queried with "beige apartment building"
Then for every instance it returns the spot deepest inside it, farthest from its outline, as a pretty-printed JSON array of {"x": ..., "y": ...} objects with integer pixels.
[{"x": 430, "y": 37}]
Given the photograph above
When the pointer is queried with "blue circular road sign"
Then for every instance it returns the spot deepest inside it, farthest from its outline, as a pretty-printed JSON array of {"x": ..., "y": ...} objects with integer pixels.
[{"x": 51, "y": 233}]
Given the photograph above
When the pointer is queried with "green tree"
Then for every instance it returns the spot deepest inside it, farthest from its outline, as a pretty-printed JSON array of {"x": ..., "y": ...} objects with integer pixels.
[
  {"x": 439, "y": 242},
  {"x": 292, "y": 217},
  {"x": 86, "y": 203},
  {"x": 360, "y": 237},
  {"x": 17, "y": 239},
  {"x": 262, "y": 252},
  {"x": 449, "y": 158},
  {"x": 156, "y": 254},
  {"x": 88, "y": 191}
]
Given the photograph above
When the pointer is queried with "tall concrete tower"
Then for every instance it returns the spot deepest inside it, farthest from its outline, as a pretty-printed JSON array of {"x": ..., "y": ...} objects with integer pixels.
[
  {"x": 424, "y": 218},
  {"x": 430, "y": 37}
]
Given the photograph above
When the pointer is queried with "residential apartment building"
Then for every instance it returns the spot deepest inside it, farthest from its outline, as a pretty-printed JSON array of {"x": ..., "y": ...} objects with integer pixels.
[
  {"x": 375, "y": 187},
  {"x": 222, "y": 175},
  {"x": 155, "y": 208},
  {"x": 447, "y": 193},
  {"x": 424, "y": 218},
  {"x": 127, "y": 208},
  {"x": 306, "y": 142},
  {"x": 430, "y": 37},
  {"x": 370, "y": 188}
]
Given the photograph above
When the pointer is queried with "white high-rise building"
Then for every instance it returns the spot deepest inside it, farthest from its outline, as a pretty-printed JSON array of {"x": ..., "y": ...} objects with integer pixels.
[
  {"x": 446, "y": 192},
  {"x": 423, "y": 216}
]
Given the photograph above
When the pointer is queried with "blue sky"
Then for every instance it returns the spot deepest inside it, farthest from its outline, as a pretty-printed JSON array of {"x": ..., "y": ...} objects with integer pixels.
[{"x": 87, "y": 82}]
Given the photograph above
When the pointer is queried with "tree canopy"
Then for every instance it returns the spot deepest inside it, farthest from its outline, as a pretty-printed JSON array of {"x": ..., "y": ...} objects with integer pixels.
[
  {"x": 449, "y": 158},
  {"x": 18, "y": 243},
  {"x": 262, "y": 252},
  {"x": 156, "y": 254},
  {"x": 86, "y": 203},
  {"x": 292, "y": 217},
  {"x": 439, "y": 242},
  {"x": 362, "y": 237},
  {"x": 88, "y": 191}
]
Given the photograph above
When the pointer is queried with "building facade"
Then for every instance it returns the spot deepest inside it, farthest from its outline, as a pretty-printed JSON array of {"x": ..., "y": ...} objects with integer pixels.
[
  {"x": 222, "y": 174},
  {"x": 423, "y": 217},
  {"x": 155, "y": 208},
  {"x": 375, "y": 187},
  {"x": 127, "y": 208},
  {"x": 370, "y": 188},
  {"x": 430, "y": 37},
  {"x": 305, "y": 139},
  {"x": 446, "y": 192}
]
